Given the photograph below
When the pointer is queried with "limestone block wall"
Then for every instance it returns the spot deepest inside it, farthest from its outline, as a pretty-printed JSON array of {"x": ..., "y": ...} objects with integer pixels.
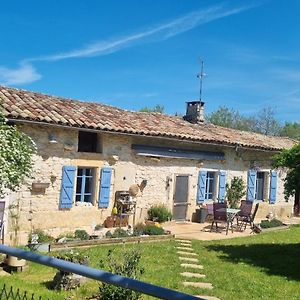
[{"x": 41, "y": 210}]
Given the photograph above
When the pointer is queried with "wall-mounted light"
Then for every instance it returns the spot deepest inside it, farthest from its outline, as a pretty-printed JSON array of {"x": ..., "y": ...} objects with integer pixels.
[{"x": 52, "y": 139}]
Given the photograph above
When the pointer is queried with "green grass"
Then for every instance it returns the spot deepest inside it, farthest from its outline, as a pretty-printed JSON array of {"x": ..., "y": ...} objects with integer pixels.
[{"x": 264, "y": 266}]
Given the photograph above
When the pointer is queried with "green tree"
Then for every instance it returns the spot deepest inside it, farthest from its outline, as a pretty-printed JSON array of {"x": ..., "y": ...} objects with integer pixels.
[
  {"x": 16, "y": 150},
  {"x": 157, "y": 108},
  {"x": 235, "y": 191},
  {"x": 290, "y": 159},
  {"x": 291, "y": 130}
]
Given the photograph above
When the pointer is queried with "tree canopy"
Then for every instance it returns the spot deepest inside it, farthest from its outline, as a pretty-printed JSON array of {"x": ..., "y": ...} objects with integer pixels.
[
  {"x": 157, "y": 108},
  {"x": 290, "y": 159},
  {"x": 16, "y": 150}
]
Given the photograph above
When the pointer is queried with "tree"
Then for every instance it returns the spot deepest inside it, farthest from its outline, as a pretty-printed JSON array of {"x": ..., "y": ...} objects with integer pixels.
[
  {"x": 291, "y": 130},
  {"x": 157, "y": 108},
  {"x": 16, "y": 150},
  {"x": 290, "y": 159},
  {"x": 235, "y": 191}
]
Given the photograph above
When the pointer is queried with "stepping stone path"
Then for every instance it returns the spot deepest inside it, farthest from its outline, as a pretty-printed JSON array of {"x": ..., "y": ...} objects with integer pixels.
[{"x": 185, "y": 251}]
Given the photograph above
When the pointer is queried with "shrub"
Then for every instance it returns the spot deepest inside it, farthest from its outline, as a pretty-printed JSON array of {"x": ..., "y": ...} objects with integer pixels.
[
  {"x": 159, "y": 213},
  {"x": 108, "y": 234},
  {"x": 43, "y": 237},
  {"x": 99, "y": 227},
  {"x": 271, "y": 223},
  {"x": 153, "y": 230},
  {"x": 139, "y": 229},
  {"x": 75, "y": 257},
  {"x": 235, "y": 191},
  {"x": 81, "y": 234},
  {"x": 127, "y": 264},
  {"x": 119, "y": 232}
]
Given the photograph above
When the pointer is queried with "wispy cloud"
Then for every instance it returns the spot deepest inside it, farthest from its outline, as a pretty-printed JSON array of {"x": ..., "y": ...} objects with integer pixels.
[{"x": 26, "y": 73}]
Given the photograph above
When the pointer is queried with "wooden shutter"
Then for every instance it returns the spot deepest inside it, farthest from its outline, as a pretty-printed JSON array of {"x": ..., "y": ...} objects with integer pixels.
[
  {"x": 251, "y": 185},
  {"x": 273, "y": 187},
  {"x": 222, "y": 186},
  {"x": 104, "y": 191},
  {"x": 67, "y": 187},
  {"x": 201, "y": 187}
]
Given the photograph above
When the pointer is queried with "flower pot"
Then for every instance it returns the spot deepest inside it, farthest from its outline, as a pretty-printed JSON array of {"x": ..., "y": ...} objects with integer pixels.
[{"x": 13, "y": 261}]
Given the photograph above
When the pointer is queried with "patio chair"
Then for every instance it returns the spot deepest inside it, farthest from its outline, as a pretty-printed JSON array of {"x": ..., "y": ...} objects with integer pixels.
[
  {"x": 244, "y": 215},
  {"x": 251, "y": 218},
  {"x": 210, "y": 212},
  {"x": 2, "y": 208},
  {"x": 220, "y": 216}
]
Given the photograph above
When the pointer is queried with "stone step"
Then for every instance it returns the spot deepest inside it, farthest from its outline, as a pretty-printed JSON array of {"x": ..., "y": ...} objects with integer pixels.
[
  {"x": 203, "y": 285},
  {"x": 188, "y": 259},
  {"x": 185, "y": 245},
  {"x": 183, "y": 241},
  {"x": 207, "y": 297},
  {"x": 195, "y": 275},
  {"x": 186, "y": 253},
  {"x": 193, "y": 266},
  {"x": 185, "y": 249}
]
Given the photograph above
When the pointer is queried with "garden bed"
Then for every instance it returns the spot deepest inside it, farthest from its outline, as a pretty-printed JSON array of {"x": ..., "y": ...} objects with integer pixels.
[
  {"x": 282, "y": 227},
  {"x": 107, "y": 241}
]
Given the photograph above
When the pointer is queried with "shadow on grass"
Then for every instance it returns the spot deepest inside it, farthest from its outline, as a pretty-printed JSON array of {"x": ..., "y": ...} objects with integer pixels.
[{"x": 274, "y": 259}]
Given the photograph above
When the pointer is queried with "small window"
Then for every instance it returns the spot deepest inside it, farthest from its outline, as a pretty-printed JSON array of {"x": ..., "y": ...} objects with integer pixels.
[
  {"x": 210, "y": 186},
  {"x": 260, "y": 186},
  {"x": 84, "y": 186},
  {"x": 88, "y": 142}
]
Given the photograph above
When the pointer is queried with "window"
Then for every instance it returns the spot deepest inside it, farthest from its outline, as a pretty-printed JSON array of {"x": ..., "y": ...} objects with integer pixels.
[
  {"x": 88, "y": 142},
  {"x": 260, "y": 186},
  {"x": 84, "y": 186},
  {"x": 210, "y": 186}
]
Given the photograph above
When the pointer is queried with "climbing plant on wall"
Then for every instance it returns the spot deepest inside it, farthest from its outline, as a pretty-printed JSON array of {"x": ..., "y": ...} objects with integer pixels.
[{"x": 16, "y": 150}]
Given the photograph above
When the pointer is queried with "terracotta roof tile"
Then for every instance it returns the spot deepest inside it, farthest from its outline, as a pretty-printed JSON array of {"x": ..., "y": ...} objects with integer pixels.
[{"x": 21, "y": 104}]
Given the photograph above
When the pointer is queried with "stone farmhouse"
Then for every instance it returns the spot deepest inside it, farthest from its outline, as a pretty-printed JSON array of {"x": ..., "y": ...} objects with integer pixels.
[{"x": 87, "y": 151}]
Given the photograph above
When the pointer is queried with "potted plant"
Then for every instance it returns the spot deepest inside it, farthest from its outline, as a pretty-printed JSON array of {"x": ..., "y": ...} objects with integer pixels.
[
  {"x": 235, "y": 191},
  {"x": 39, "y": 241}
]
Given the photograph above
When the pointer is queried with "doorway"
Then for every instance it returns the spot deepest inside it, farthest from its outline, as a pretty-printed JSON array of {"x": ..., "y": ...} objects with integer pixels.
[{"x": 181, "y": 197}]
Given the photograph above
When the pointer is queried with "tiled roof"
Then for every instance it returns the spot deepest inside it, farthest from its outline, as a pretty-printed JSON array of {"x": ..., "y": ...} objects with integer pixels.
[{"x": 26, "y": 105}]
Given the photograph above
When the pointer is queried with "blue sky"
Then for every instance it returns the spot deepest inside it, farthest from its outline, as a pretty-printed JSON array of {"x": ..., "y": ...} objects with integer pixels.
[{"x": 140, "y": 53}]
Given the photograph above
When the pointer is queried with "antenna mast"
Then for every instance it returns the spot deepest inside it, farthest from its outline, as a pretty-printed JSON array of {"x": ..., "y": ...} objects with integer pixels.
[{"x": 201, "y": 76}]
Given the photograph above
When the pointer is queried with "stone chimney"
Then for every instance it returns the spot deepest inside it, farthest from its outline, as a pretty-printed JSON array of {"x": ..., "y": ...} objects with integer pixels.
[{"x": 194, "y": 112}]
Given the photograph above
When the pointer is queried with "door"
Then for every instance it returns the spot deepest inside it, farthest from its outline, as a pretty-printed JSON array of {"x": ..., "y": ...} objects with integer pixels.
[
  {"x": 180, "y": 197},
  {"x": 297, "y": 204}
]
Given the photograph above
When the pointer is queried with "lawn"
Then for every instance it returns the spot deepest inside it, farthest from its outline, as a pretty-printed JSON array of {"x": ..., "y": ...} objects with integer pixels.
[{"x": 264, "y": 266}]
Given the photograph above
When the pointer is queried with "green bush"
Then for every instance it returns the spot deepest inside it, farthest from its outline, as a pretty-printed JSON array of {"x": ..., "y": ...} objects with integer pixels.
[
  {"x": 81, "y": 234},
  {"x": 159, "y": 213},
  {"x": 270, "y": 224},
  {"x": 126, "y": 265},
  {"x": 139, "y": 229},
  {"x": 153, "y": 230},
  {"x": 235, "y": 191},
  {"x": 108, "y": 234},
  {"x": 119, "y": 232},
  {"x": 43, "y": 236}
]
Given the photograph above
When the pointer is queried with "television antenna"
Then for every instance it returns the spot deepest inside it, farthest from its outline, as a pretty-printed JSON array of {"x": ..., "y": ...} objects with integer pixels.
[{"x": 201, "y": 76}]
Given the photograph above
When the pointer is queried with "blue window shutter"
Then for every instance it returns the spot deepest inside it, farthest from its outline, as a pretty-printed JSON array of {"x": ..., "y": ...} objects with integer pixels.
[
  {"x": 201, "y": 187},
  {"x": 273, "y": 187},
  {"x": 104, "y": 191},
  {"x": 222, "y": 186},
  {"x": 251, "y": 185},
  {"x": 67, "y": 187}
]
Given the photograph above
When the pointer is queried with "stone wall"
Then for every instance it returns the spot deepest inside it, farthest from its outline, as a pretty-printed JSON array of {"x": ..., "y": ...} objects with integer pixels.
[{"x": 40, "y": 210}]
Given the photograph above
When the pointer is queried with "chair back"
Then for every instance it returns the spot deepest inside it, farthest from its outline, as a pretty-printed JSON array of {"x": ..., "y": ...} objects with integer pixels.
[
  {"x": 254, "y": 212},
  {"x": 220, "y": 215},
  {"x": 210, "y": 209},
  {"x": 245, "y": 208}
]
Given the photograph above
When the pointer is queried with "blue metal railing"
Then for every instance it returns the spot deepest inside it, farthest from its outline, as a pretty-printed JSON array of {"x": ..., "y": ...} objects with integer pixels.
[{"x": 100, "y": 275}]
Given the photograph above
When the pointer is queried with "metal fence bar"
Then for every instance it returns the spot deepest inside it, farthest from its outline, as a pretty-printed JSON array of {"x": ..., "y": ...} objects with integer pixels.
[{"x": 100, "y": 275}]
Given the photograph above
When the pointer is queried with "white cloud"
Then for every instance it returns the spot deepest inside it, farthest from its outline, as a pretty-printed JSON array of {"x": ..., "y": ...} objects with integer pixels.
[
  {"x": 25, "y": 73},
  {"x": 160, "y": 32}
]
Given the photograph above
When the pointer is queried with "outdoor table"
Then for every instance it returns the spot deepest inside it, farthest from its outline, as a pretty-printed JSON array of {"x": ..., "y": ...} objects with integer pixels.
[{"x": 231, "y": 213}]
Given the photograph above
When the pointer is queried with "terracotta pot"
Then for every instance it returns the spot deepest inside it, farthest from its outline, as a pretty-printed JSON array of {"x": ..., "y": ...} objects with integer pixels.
[{"x": 15, "y": 262}]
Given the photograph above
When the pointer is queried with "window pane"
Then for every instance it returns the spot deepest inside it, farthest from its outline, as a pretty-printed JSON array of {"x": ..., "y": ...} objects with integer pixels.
[
  {"x": 77, "y": 198},
  {"x": 79, "y": 172},
  {"x": 87, "y": 198},
  {"x": 88, "y": 172},
  {"x": 88, "y": 185},
  {"x": 78, "y": 186}
]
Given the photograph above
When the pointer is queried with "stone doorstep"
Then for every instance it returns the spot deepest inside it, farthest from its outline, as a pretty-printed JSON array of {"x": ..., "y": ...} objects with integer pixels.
[
  {"x": 186, "y": 253},
  {"x": 188, "y": 259},
  {"x": 193, "y": 266},
  {"x": 185, "y": 245},
  {"x": 183, "y": 241},
  {"x": 203, "y": 285},
  {"x": 207, "y": 297},
  {"x": 195, "y": 275},
  {"x": 185, "y": 249}
]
